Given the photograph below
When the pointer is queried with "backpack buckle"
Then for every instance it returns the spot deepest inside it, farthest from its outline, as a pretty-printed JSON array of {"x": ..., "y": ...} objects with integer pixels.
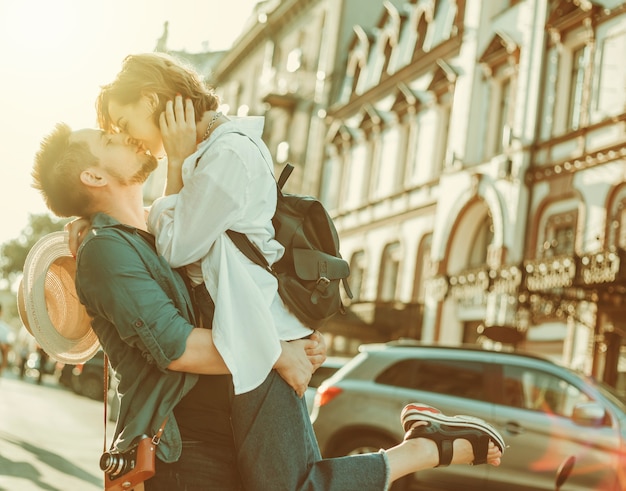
[
  {"x": 320, "y": 287},
  {"x": 322, "y": 283}
]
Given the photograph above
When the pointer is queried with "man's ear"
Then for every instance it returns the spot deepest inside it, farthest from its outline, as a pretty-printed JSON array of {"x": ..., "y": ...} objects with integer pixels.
[{"x": 92, "y": 177}]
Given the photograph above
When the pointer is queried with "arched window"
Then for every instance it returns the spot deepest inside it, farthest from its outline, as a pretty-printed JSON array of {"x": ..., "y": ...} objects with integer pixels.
[
  {"x": 357, "y": 275},
  {"x": 389, "y": 272},
  {"x": 423, "y": 268}
]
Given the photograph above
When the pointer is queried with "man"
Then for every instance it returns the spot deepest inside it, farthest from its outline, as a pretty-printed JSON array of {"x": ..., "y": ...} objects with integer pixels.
[{"x": 143, "y": 315}]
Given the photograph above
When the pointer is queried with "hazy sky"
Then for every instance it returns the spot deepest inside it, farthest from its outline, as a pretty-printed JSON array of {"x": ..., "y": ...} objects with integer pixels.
[{"x": 56, "y": 54}]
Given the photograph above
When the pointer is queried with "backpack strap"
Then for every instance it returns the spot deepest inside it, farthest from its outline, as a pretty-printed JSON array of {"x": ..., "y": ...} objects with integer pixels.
[
  {"x": 252, "y": 252},
  {"x": 242, "y": 241},
  {"x": 284, "y": 175},
  {"x": 245, "y": 245}
]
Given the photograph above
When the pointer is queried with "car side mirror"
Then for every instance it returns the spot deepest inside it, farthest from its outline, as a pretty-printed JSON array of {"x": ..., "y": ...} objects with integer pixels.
[{"x": 589, "y": 414}]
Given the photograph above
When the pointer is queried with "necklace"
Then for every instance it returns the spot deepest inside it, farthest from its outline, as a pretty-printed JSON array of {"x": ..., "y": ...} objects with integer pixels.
[{"x": 215, "y": 117}]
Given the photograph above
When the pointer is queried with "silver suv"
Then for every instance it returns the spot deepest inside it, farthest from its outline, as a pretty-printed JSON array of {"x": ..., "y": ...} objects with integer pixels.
[{"x": 546, "y": 413}]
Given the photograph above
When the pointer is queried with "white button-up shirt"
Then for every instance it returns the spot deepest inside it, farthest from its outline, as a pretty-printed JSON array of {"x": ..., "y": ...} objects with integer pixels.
[{"x": 232, "y": 186}]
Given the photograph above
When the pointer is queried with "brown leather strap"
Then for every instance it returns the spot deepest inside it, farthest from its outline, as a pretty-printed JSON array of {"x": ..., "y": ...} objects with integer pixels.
[
  {"x": 106, "y": 397},
  {"x": 157, "y": 437}
]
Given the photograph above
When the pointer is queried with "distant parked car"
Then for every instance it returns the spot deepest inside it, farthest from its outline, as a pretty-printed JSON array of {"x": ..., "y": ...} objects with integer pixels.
[
  {"x": 87, "y": 378},
  {"x": 545, "y": 412},
  {"x": 328, "y": 368}
]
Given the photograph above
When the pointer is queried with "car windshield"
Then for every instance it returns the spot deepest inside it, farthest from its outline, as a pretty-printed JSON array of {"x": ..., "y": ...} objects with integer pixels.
[{"x": 610, "y": 393}]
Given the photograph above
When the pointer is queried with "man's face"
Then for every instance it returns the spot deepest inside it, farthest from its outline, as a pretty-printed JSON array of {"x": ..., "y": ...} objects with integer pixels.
[{"x": 120, "y": 156}]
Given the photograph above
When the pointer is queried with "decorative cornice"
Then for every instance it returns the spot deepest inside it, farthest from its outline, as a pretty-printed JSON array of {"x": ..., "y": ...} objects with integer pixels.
[
  {"x": 571, "y": 166},
  {"x": 501, "y": 50},
  {"x": 570, "y": 14}
]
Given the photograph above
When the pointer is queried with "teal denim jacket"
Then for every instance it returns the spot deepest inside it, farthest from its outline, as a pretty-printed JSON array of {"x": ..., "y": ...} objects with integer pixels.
[{"x": 142, "y": 314}]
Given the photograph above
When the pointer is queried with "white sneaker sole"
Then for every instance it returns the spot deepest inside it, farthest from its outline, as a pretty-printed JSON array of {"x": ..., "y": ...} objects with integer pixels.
[{"x": 421, "y": 412}]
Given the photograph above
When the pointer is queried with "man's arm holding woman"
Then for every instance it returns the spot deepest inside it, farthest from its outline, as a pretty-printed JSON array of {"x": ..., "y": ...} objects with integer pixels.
[{"x": 297, "y": 361}]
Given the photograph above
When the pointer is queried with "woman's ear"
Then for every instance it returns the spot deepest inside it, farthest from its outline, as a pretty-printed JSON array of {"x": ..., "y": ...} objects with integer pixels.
[{"x": 151, "y": 99}]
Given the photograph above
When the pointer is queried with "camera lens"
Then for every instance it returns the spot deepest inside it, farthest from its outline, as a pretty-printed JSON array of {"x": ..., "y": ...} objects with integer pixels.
[{"x": 112, "y": 463}]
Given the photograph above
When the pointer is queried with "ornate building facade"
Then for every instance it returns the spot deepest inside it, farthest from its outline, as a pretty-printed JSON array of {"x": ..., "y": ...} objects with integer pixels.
[{"x": 473, "y": 155}]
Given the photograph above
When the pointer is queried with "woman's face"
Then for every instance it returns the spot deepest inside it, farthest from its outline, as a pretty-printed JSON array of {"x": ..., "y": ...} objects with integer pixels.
[{"x": 137, "y": 121}]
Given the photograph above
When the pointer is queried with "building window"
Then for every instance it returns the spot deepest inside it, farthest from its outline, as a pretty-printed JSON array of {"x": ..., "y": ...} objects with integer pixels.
[
  {"x": 402, "y": 155},
  {"x": 621, "y": 237},
  {"x": 611, "y": 95},
  {"x": 356, "y": 175},
  {"x": 357, "y": 275},
  {"x": 576, "y": 89},
  {"x": 424, "y": 268},
  {"x": 560, "y": 235},
  {"x": 426, "y": 126},
  {"x": 615, "y": 227},
  {"x": 331, "y": 179},
  {"x": 390, "y": 268},
  {"x": 389, "y": 164},
  {"x": 572, "y": 39},
  {"x": 480, "y": 244},
  {"x": 502, "y": 127},
  {"x": 563, "y": 240},
  {"x": 499, "y": 62}
]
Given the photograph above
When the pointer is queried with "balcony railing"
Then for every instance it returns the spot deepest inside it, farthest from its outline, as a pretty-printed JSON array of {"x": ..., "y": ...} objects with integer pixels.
[
  {"x": 283, "y": 88},
  {"x": 549, "y": 273}
]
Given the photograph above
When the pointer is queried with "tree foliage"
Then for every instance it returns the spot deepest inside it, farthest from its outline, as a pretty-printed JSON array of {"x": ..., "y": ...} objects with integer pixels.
[{"x": 13, "y": 253}]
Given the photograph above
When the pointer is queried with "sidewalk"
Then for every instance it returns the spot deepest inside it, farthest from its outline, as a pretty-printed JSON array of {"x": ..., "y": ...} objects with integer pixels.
[{"x": 50, "y": 438}]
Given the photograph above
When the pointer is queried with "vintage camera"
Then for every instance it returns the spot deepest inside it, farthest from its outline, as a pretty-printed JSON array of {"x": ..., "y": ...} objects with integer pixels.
[{"x": 124, "y": 470}]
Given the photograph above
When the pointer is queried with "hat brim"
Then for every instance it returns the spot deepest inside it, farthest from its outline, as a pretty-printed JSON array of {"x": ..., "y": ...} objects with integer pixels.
[{"x": 48, "y": 303}]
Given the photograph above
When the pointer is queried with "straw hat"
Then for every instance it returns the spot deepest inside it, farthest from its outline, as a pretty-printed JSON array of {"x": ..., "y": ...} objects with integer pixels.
[{"x": 48, "y": 303}]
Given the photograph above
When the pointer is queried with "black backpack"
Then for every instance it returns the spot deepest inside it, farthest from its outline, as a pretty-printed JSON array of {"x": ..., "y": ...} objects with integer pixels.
[{"x": 311, "y": 269}]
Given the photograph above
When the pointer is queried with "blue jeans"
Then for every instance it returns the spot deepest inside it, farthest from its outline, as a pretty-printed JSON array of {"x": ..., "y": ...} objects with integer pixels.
[
  {"x": 200, "y": 468},
  {"x": 277, "y": 449}
]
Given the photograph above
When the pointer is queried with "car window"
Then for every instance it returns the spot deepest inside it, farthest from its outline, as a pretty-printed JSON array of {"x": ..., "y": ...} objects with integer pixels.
[
  {"x": 451, "y": 377},
  {"x": 540, "y": 391},
  {"x": 321, "y": 374}
]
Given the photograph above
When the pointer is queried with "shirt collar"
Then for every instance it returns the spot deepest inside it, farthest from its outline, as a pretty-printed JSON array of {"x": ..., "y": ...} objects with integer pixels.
[{"x": 250, "y": 125}]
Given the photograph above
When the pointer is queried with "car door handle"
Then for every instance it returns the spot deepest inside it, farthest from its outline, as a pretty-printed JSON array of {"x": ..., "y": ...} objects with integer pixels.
[{"x": 513, "y": 428}]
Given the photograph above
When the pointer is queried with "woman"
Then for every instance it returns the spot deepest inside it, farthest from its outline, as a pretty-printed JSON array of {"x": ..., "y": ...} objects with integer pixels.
[{"x": 219, "y": 177}]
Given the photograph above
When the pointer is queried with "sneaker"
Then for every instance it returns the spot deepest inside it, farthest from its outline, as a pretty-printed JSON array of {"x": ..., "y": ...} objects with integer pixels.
[{"x": 421, "y": 412}]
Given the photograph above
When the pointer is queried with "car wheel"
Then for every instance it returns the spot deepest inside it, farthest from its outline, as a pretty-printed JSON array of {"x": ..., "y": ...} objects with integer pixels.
[
  {"x": 92, "y": 387},
  {"x": 356, "y": 444}
]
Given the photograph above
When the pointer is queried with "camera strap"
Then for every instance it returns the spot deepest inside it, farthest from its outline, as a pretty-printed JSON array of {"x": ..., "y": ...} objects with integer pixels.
[{"x": 106, "y": 399}]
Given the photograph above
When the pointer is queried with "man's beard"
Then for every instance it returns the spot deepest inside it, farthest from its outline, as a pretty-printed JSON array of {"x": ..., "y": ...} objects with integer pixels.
[{"x": 148, "y": 165}]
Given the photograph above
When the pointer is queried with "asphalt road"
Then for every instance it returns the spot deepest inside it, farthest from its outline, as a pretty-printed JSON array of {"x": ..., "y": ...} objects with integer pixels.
[{"x": 50, "y": 438}]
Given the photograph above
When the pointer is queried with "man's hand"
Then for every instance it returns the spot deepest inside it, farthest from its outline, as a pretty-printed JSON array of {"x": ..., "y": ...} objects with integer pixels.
[
  {"x": 317, "y": 354},
  {"x": 294, "y": 366},
  {"x": 76, "y": 229}
]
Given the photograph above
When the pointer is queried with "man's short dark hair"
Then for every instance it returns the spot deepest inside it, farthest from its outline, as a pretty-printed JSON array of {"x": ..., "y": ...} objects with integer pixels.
[{"x": 56, "y": 173}]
